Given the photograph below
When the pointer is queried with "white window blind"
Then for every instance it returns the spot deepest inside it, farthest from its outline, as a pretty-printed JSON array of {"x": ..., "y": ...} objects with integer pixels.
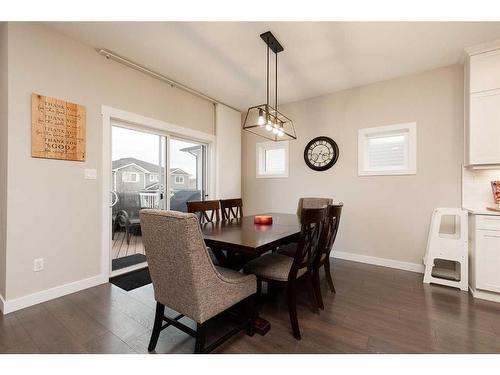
[
  {"x": 272, "y": 159},
  {"x": 387, "y": 150},
  {"x": 275, "y": 161}
]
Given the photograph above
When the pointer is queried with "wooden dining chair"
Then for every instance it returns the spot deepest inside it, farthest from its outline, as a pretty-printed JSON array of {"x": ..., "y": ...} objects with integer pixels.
[
  {"x": 231, "y": 208},
  {"x": 206, "y": 211},
  {"x": 279, "y": 268},
  {"x": 330, "y": 229},
  {"x": 312, "y": 203},
  {"x": 185, "y": 280}
]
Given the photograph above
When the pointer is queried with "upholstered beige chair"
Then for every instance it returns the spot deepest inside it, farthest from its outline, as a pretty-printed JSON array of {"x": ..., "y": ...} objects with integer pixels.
[
  {"x": 312, "y": 203},
  {"x": 185, "y": 279}
]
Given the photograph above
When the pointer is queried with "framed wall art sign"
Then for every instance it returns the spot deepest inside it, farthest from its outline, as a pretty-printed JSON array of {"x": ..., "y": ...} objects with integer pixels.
[{"x": 57, "y": 129}]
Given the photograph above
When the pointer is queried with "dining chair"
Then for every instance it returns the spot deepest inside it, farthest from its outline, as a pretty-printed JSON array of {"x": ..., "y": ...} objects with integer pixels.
[
  {"x": 206, "y": 211},
  {"x": 281, "y": 269},
  {"x": 290, "y": 248},
  {"x": 330, "y": 229},
  {"x": 185, "y": 279},
  {"x": 312, "y": 203},
  {"x": 231, "y": 208}
]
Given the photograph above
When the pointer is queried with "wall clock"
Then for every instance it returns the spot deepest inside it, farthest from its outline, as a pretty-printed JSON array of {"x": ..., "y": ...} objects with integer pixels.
[{"x": 321, "y": 153}]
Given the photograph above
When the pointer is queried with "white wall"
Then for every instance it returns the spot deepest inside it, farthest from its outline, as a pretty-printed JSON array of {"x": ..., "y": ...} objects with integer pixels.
[
  {"x": 384, "y": 216},
  {"x": 53, "y": 212},
  {"x": 228, "y": 131},
  {"x": 3, "y": 152}
]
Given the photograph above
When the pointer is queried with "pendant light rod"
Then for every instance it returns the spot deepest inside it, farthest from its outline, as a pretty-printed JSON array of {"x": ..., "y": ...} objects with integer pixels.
[
  {"x": 267, "y": 77},
  {"x": 276, "y": 83},
  {"x": 275, "y": 46}
]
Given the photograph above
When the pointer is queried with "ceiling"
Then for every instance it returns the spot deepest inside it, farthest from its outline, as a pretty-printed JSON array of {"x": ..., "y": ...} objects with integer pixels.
[{"x": 226, "y": 60}]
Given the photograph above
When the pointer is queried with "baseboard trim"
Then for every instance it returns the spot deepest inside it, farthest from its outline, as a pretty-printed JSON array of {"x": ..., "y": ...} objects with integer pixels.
[
  {"x": 46, "y": 295},
  {"x": 384, "y": 262},
  {"x": 2, "y": 304},
  {"x": 488, "y": 296}
]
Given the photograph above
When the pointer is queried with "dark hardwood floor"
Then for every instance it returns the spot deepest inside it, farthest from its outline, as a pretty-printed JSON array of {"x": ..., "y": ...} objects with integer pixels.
[{"x": 375, "y": 310}]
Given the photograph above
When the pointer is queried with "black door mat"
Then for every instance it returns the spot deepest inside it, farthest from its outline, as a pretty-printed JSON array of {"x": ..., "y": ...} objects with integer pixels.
[
  {"x": 131, "y": 260},
  {"x": 132, "y": 280}
]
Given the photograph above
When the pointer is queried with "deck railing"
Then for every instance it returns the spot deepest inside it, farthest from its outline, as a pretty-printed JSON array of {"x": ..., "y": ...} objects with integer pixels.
[{"x": 149, "y": 200}]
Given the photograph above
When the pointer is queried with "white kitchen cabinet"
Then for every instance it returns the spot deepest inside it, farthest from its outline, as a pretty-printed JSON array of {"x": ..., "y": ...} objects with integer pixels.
[
  {"x": 482, "y": 108},
  {"x": 484, "y": 130},
  {"x": 484, "y": 256},
  {"x": 484, "y": 71},
  {"x": 488, "y": 260}
]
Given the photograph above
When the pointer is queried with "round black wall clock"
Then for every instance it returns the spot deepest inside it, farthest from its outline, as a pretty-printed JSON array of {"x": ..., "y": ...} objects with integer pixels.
[{"x": 321, "y": 153}]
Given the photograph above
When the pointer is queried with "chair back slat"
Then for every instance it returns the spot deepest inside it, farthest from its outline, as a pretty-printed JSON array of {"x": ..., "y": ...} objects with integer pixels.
[
  {"x": 206, "y": 211},
  {"x": 330, "y": 229},
  {"x": 312, "y": 221},
  {"x": 231, "y": 208}
]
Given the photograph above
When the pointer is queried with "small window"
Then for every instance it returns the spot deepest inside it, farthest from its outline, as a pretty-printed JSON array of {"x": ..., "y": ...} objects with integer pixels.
[
  {"x": 388, "y": 150},
  {"x": 272, "y": 159},
  {"x": 153, "y": 177},
  {"x": 130, "y": 177},
  {"x": 179, "y": 179}
]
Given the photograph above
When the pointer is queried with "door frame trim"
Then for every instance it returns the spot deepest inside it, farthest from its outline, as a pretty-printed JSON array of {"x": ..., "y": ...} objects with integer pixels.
[{"x": 110, "y": 114}]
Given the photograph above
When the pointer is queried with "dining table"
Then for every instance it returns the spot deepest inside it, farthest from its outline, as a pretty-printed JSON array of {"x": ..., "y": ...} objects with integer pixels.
[{"x": 234, "y": 242}]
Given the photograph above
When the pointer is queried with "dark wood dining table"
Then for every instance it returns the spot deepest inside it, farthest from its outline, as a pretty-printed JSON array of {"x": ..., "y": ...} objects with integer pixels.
[{"x": 235, "y": 242}]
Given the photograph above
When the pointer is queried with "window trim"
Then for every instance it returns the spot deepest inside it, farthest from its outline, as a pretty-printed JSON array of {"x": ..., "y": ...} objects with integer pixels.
[
  {"x": 409, "y": 129},
  {"x": 260, "y": 149},
  {"x": 175, "y": 180}
]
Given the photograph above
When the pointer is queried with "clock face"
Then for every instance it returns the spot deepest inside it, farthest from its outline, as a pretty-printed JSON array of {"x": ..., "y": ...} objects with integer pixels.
[{"x": 321, "y": 153}]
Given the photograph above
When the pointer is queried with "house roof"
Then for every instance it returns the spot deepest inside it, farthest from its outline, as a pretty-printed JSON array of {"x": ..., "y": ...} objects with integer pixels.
[{"x": 148, "y": 167}]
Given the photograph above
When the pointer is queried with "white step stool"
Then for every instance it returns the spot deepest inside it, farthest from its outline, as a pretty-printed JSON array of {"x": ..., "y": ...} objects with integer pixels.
[{"x": 448, "y": 247}]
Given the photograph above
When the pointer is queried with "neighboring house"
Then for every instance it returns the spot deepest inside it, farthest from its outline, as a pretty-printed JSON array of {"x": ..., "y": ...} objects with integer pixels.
[
  {"x": 131, "y": 174},
  {"x": 179, "y": 179}
]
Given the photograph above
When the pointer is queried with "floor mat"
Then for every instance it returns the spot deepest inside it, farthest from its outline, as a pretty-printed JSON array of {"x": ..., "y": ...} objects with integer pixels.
[
  {"x": 132, "y": 280},
  {"x": 131, "y": 260}
]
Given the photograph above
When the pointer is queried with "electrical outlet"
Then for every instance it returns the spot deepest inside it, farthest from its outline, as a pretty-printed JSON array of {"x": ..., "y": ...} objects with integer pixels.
[{"x": 38, "y": 265}]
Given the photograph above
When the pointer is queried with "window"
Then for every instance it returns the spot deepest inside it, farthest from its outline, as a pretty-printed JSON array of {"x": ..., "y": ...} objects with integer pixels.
[
  {"x": 272, "y": 159},
  {"x": 179, "y": 179},
  {"x": 388, "y": 150},
  {"x": 153, "y": 177},
  {"x": 130, "y": 177}
]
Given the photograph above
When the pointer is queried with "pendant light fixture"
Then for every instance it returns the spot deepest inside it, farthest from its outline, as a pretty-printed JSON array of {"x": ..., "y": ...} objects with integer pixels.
[{"x": 264, "y": 120}]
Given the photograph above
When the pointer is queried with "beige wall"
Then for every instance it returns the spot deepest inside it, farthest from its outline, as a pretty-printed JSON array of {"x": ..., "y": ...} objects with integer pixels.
[
  {"x": 384, "y": 216},
  {"x": 3, "y": 152},
  {"x": 53, "y": 212}
]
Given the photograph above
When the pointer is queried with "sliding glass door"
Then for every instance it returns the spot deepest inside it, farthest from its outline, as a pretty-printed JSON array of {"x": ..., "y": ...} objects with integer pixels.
[
  {"x": 187, "y": 173},
  {"x": 144, "y": 163},
  {"x": 137, "y": 176}
]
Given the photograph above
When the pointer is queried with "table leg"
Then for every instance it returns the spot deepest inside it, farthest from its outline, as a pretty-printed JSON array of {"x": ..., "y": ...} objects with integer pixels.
[
  {"x": 220, "y": 256},
  {"x": 262, "y": 326}
]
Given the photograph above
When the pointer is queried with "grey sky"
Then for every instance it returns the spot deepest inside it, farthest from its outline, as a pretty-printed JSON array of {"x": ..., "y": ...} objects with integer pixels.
[{"x": 128, "y": 143}]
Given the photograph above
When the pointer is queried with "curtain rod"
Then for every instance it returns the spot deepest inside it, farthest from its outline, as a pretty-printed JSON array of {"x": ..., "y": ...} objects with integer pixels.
[{"x": 113, "y": 56}]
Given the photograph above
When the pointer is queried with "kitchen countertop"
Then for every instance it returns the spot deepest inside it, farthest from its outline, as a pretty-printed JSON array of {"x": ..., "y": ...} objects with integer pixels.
[{"x": 481, "y": 211}]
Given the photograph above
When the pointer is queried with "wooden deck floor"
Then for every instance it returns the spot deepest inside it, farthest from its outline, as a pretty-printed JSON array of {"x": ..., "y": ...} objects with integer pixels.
[
  {"x": 375, "y": 310},
  {"x": 121, "y": 249}
]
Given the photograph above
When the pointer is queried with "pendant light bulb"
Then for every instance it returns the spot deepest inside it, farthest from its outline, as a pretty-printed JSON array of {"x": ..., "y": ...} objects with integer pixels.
[
  {"x": 261, "y": 121},
  {"x": 269, "y": 125},
  {"x": 275, "y": 130}
]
